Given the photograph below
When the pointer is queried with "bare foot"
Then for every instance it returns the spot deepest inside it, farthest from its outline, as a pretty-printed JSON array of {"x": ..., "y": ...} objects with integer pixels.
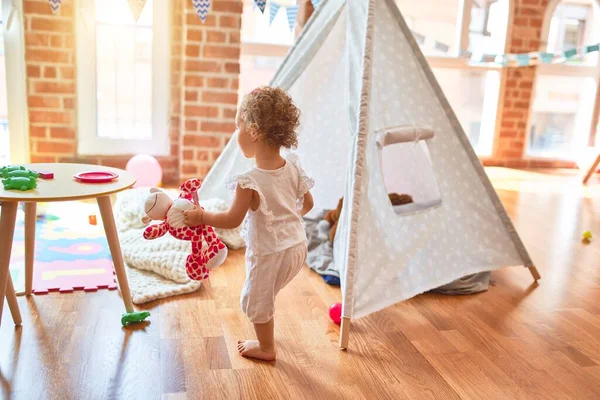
[{"x": 251, "y": 348}]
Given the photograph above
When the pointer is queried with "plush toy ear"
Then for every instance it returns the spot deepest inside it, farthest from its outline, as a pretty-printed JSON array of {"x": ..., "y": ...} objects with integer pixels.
[
  {"x": 155, "y": 190},
  {"x": 146, "y": 220}
]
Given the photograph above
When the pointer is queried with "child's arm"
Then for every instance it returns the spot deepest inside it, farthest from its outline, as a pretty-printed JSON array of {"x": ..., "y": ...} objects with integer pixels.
[
  {"x": 229, "y": 219},
  {"x": 308, "y": 204}
]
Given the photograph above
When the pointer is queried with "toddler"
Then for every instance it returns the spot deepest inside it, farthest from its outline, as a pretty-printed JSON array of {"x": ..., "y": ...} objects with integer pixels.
[{"x": 273, "y": 197}]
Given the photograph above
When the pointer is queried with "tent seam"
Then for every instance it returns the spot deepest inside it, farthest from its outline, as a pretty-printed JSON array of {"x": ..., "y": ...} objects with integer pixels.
[{"x": 361, "y": 140}]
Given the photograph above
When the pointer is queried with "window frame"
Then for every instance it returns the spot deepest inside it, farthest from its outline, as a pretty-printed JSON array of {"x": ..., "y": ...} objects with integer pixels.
[
  {"x": 16, "y": 86},
  {"x": 565, "y": 69},
  {"x": 88, "y": 141}
]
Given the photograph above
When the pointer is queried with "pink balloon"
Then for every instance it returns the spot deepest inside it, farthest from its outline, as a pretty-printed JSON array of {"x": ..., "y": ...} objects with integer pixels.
[
  {"x": 146, "y": 170},
  {"x": 335, "y": 313}
]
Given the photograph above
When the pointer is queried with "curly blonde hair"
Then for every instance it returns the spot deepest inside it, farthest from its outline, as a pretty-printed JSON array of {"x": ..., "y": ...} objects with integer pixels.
[{"x": 271, "y": 113}]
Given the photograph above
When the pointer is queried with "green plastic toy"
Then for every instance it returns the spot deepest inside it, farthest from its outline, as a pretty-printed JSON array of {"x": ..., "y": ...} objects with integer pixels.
[
  {"x": 21, "y": 173},
  {"x": 10, "y": 168},
  {"x": 19, "y": 183},
  {"x": 132, "y": 318}
]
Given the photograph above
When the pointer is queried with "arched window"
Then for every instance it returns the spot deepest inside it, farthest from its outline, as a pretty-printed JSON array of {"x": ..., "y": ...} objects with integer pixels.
[
  {"x": 447, "y": 30},
  {"x": 563, "y": 122}
]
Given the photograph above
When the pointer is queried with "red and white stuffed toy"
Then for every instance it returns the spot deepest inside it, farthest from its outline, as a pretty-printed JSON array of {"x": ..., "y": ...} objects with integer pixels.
[{"x": 159, "y": 206}]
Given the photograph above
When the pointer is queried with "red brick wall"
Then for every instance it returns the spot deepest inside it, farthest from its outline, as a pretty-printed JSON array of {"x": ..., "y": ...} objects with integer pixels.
[
  {"x": 210, "y": 74},
  {"x": 50, "y": 58},
  {"x": 204, "y": 81}
]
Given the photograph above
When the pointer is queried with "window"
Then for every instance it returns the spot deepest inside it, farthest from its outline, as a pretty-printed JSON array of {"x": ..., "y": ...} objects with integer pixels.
[
  {"x": 444, "y": 30},
  {"x": 264, "y": 46},
  {"x": 123, "y": 78},
  {"x": 487, "y": 30},
  {"x": 434, "y": 24},
  {"x": 565, "y": 94},
  {"x": 4, "y": 134},
  {"x": 473, "y": 93},
  {"x": 14, "y": 124}
]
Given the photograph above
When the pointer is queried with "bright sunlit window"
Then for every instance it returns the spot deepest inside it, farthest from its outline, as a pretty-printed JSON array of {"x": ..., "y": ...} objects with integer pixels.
[
  {"x": 565, "y": 94},
  {"x": 445, "y": 31},
  {"x": 123, "y": 78},
  {"x": 434, "y": 24},
  {"x": 487, "y": 30},
  {"x": 4, "y": 136},
  {"x": 264, "y": 46}
]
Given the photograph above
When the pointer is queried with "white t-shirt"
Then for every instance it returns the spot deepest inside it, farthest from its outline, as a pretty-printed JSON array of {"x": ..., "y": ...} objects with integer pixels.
[{"x": 276, "y": 225}]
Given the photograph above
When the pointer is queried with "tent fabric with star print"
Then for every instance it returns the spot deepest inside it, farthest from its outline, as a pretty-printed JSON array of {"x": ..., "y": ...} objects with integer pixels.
[{"x": 356, "y": 73}]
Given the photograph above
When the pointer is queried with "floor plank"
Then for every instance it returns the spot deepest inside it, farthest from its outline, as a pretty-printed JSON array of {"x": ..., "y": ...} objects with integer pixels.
[{"x": 518, "y": 340}]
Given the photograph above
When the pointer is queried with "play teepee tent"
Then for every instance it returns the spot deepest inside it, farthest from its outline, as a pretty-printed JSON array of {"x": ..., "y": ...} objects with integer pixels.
[{"x": 375, "y": 121}]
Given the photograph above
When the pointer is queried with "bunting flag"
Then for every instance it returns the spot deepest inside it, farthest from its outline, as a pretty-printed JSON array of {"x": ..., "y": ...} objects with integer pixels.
[
  {"x": 261, "y": 5},
  {"x": 136, "y": 7},
  {"x": 201, "y": 7},
  {"x": 523, "y": 59},
  {"x": 591, "y": 48},
  {"x": 54, "y": 5},
  {"x": 292, "y": 13},
  {"x": 546, "y": 58},
  {"x": 315, "y": 3},
  {"x": 273, "y": 9},
  {"x": 570, "y": 53}
]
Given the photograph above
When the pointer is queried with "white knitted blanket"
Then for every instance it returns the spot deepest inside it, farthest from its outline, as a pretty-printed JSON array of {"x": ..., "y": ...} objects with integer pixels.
[{"x": 156, "y": 268}]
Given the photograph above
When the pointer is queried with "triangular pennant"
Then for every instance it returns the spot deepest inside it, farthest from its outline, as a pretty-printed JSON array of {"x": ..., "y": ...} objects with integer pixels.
[
  {"x": 315, "y": 3},
  {"x": 54, "y": 5},
  {"x": 570, "y": 53},
  {"x": 546, "y": 58},
  {"x": 292, "y": 13},
  {"x": 273, "y": 9},
  {"x": 591, "y": 48},
  {"x": 201, "y": 7},
  {"x": 523, "y": 59},
  {"x": 136, "y": 7},
  {"x": 261, "y": 5}
]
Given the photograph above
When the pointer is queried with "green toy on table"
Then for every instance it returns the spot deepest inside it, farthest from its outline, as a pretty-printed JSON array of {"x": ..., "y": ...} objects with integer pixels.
[
  {"x": 9, "y": 168},
  {"x": 21, "y": 173},
  {"x": 18, "y": 178},
  {"x": 19, "y": 183}
]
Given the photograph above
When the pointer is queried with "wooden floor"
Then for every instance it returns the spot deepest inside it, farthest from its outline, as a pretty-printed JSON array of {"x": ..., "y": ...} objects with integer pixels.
[{"x": 517, "y": 341}]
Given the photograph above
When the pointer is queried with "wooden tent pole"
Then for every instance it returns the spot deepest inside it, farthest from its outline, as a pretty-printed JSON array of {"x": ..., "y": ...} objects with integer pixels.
[
  {"x": 592, "y": 169},
  {"x": 535, "y": 273},
  {"x": 344, "y": 333}
]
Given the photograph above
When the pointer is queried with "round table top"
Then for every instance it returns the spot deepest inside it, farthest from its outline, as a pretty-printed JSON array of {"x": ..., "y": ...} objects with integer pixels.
[{"x": 65, "y": 187}]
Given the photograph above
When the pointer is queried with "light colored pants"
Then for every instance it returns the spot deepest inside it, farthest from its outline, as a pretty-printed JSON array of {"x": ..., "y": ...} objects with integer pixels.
[{"x": 265, "y": 277}]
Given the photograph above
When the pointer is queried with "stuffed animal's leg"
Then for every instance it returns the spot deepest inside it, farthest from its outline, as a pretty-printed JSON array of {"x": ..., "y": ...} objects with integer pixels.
[
  {"x": 216, "y": 251},
  {"x": 195, "y": 265}
]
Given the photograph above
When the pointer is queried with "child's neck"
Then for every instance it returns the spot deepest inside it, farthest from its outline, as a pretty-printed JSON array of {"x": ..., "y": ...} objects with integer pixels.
[{"x": 268, "y": 157}]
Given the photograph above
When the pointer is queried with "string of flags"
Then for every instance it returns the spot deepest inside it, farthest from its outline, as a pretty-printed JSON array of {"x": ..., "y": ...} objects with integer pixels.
[
  {"x": 511, "y": 60},
  {"x": 291, "y": 10},
  {"x": 534, "y": 57}
]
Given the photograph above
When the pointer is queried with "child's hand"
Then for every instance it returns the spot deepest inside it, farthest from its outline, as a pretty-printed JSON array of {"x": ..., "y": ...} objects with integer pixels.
[{"x": 193, "y": 217}]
